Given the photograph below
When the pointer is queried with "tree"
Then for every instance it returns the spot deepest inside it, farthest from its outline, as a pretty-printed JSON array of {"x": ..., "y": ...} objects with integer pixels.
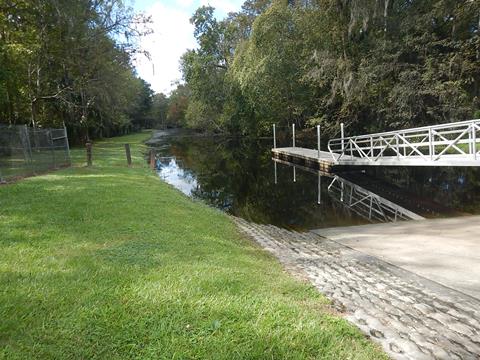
[
  {"x": 70, "y": 62},
  {"x": 268, "y": 68},
  {"x": 160, "y": 103},
  {"x": 178, "y": 103},
  {"x": 372, "y": 64}
]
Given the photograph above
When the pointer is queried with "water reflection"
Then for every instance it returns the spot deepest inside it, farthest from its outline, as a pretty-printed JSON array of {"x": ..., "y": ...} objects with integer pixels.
[
  {"x": 354, "y": 198},
  {"x": 171, "y": 172},
  {"x": 238, "y": 176},
  {"x": 367, "y": 204}
]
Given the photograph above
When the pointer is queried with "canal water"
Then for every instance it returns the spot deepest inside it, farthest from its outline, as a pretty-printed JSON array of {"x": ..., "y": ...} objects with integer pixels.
[{"x": 239, "y": 176}]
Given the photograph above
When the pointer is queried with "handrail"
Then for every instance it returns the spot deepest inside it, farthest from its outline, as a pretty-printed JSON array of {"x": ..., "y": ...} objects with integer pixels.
[
  {"x": 426, "y": 143},
  {"x": 433, "y": 127}
]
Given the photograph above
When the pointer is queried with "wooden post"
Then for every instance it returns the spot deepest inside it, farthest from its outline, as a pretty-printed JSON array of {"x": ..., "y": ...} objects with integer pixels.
[
  {"x": 152, "y": 159},
  {"x": 89, "y": 153},
  {"x": 128, "y": 154}
]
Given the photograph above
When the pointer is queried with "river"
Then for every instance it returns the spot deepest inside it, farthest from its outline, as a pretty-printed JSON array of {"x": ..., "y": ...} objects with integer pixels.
[{"x": 239, "y": 176}]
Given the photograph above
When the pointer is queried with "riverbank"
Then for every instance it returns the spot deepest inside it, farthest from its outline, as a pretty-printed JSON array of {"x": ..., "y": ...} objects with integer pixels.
[{"x": 110, "y": 262}]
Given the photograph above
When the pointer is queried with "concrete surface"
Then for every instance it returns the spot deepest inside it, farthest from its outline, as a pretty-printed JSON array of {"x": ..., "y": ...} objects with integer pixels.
[
  {"x": 446, "y": 251},
  {"x": 410, "y": 316}
]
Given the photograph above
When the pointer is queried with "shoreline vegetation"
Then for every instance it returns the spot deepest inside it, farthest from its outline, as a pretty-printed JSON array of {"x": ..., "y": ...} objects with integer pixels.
[{"x": 111, "y": 262}]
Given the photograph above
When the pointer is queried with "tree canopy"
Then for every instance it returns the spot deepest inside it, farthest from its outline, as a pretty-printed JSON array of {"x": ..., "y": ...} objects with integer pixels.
[
  {"x": 373, "y": 64},
  {"x": 71, "y": 62}
]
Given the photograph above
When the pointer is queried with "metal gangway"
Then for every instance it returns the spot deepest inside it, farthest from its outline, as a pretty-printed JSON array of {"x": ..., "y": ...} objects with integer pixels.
[{"x": 453, "y": 144}]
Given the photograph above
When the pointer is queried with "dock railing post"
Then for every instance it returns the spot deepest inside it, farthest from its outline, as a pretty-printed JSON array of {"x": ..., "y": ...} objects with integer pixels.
[
  {"x": 470, "y": 140},
  {"x": 293, "y": 134},
  {"x": 398, "y": 146},
  {"x": 371, "y": 147},
  {"x": 342, "y": 135},
  {"x": 430, "y": 143},
  {"x": 318, "y": 140},
  {"x": 474, "y": 140},
  {"x": 274, "y": 137}
]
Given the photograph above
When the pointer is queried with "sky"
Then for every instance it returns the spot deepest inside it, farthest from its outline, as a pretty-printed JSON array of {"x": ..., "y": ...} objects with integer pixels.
[{"x": 172, "y": 36}]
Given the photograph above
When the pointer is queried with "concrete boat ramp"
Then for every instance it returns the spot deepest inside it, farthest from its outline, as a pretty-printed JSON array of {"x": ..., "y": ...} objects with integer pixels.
[
  {"x": 413, "y": 287},
  {"x": 446, "y": 251}
]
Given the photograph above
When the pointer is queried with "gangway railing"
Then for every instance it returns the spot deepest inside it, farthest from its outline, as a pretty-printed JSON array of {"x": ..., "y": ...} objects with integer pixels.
[
  {"x": 453, "y": 144},
  {"x": 367, "y": 204}
]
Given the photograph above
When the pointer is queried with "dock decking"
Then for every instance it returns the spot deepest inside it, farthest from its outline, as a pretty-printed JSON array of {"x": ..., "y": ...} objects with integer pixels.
[
  {"x": 306, "y": 157},
  {"x": 326, "y": 162}
]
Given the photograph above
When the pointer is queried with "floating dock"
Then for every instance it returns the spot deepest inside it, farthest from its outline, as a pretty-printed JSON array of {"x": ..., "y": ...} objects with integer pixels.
[{"x": 323, "y": 160}]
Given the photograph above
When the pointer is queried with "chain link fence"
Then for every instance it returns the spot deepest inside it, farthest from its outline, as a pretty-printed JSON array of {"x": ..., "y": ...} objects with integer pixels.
[{"x": 26, "y": 151}]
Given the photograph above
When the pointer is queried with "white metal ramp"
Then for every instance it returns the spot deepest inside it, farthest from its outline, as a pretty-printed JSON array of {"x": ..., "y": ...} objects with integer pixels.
[{"x": 453, "y": 144}]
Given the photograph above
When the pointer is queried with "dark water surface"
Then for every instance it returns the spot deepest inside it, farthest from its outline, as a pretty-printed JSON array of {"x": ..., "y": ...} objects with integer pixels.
[{"x": 240, "y": 177}]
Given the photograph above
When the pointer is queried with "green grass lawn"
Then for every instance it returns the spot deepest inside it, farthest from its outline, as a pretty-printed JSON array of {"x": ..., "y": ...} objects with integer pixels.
[{"x": 109, "y": 262}]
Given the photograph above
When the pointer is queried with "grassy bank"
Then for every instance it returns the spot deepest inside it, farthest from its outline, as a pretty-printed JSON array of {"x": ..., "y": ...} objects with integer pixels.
[{"x": 110, "y": 262}]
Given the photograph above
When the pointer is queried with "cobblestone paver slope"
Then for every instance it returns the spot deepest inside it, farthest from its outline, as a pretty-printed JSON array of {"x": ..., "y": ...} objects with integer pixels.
[{"x": 411, "y": 317}]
